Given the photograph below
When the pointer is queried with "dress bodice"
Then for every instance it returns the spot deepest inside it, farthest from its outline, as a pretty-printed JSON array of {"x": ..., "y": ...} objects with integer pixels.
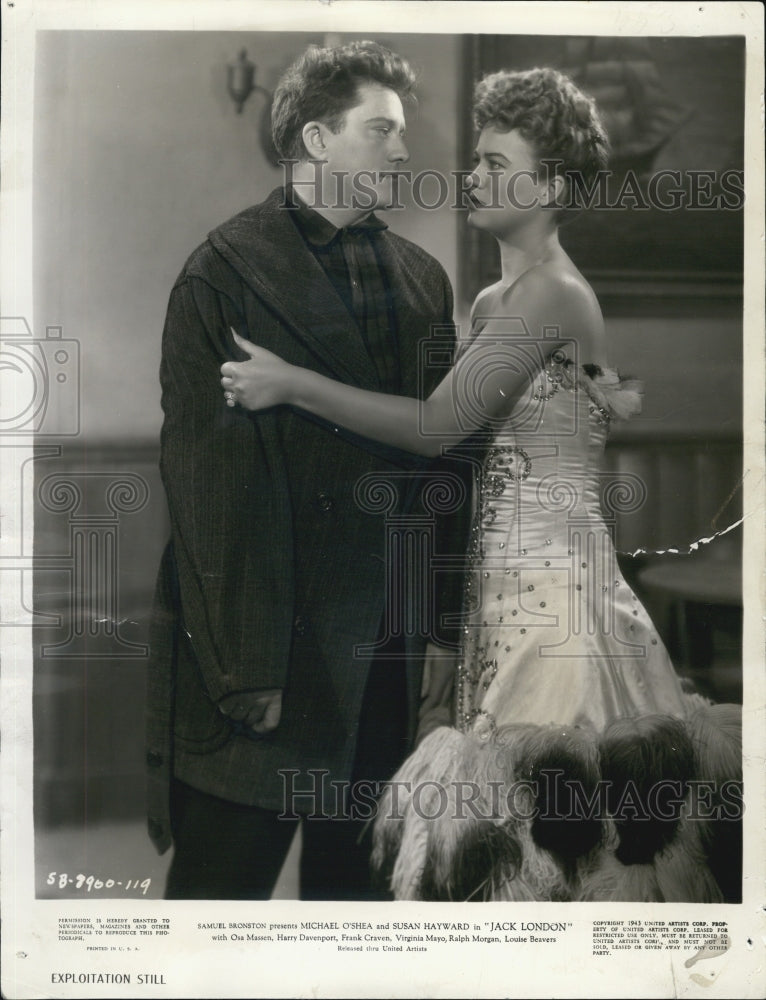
[{"x": 542, "y": 472}]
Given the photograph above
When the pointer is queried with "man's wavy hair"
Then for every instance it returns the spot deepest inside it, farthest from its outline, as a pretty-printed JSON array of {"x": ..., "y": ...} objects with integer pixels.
[
  {"x": 561, "y": 123},
  {"x": 322, "y": 85}
]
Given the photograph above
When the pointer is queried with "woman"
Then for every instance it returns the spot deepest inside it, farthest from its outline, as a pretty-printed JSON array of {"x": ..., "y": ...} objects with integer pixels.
[{"x": 553, "y": 636}]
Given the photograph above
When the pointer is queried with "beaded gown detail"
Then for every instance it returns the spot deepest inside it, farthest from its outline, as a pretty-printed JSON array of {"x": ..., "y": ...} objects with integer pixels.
[{"x": 552, "y": 632}]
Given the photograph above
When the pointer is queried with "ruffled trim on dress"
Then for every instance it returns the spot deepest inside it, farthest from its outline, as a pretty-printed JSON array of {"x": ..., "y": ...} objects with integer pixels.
[
  {"x": 469, "y": 818},
  {"x": 678, "y": 874}
]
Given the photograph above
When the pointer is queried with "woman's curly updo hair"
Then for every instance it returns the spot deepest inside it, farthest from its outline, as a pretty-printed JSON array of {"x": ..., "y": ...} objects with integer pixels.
[
  {"x": 560, "y": 122},
  {"x": 322, "y": 85}
]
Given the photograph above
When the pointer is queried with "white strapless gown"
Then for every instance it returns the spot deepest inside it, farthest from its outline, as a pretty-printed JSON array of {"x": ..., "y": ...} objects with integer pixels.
[
  {"x": 557, "y": 649},
  {"x": 552, "y": 632}
]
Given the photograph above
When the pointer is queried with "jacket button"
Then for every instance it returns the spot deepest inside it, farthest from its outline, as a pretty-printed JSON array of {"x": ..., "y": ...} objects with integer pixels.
[
  {"x": 324, "y": 502},
  {"x": 301, "y": 625},
  {"x": 154, "y": 759}
]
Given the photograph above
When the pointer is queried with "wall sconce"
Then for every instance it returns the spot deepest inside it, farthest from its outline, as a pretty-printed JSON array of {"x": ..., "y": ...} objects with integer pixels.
[{"x": 241, "y": 80}]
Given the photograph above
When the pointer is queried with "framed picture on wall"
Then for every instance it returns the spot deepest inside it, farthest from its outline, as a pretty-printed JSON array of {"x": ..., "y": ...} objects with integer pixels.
[{"x": 665, "y": 224}]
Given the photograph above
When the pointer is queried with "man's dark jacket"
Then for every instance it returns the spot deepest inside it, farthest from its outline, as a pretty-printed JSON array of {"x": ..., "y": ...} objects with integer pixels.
[{"x": 276, "y": 569}]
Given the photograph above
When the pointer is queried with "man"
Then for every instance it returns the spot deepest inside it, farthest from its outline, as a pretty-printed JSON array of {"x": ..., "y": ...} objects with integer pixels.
[{"x": 263, "y": 687}]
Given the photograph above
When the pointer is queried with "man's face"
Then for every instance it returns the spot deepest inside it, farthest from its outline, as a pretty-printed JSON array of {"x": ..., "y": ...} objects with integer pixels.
[{"x": 370, "y": 143}]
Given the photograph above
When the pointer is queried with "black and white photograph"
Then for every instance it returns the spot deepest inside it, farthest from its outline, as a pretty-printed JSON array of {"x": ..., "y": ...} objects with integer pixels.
[{"x": 383, "y": 491}]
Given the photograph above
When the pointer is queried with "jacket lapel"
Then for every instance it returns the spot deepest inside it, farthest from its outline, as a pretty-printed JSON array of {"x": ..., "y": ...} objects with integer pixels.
[
  {"x": 416, "y": 305},
  {"x": 265, "y": 248}
]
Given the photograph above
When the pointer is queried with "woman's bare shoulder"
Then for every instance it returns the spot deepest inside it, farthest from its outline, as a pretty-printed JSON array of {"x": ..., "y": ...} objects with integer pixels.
[
  {"x": 486, "y": 299},
  {"x": 558, "y": 295}
]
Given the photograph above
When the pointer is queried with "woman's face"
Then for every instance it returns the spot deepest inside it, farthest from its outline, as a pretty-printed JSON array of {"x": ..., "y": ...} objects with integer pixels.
[{"x": 506, "y": 185}]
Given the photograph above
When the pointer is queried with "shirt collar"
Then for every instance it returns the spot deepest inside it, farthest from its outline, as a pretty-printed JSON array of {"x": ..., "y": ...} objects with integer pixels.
[{"x": 319, "y": 231}]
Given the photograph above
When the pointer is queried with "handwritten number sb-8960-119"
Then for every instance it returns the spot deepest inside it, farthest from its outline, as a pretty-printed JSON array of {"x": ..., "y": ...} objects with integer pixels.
[{"x": 91, "y": 883}]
